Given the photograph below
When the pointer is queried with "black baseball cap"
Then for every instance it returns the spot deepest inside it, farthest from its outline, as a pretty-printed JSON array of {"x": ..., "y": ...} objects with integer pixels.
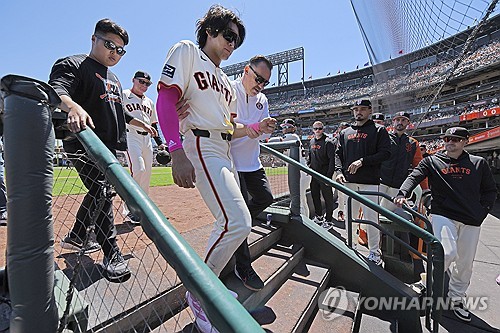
[
  {"x": 456, "y": 132},
  {"x": 401, "y": 114},
  {"x": 344, "y": 124},
  {"x": 363, "y": 102},
  {"x": 142, "y": 75},
  {"x": 288, "y": 121},
  {"x": 378, "y": 116}
]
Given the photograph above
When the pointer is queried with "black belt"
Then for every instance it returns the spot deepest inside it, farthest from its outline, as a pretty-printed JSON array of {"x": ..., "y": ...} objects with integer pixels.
[
  {"x": 139, "y": 132},
  {"x": 206, "y": 134}
]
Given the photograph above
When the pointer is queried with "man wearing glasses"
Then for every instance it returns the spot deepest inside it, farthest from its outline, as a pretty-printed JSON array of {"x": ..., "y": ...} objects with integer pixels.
[
  {"x": 192, "y": 80},
  {"x": 322, "y": 160},
  {"x": 92, "y": 95},
  {"x": 140, "y": 148},
  {"x": 252, "y": 107},
  {"x": 463, "y": 192},
  {"x": 361, "y": 149}
]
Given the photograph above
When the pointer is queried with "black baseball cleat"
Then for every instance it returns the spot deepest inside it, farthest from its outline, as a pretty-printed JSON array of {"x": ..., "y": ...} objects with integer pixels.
[
  {"x": 133, "y": 218},
  {"x": 75, "y": 244},
  {"x": 249, "y": 278},
  {"x": 116, "y": 268},
  {"x": 461, "y": 312}
]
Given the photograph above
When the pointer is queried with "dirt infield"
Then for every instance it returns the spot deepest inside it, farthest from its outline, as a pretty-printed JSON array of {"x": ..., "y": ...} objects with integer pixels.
[{"x": 184, "y": 208}]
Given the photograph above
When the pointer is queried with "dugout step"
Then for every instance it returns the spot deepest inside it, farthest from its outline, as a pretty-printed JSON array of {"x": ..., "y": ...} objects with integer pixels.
[
  {"x": 273, "y": 267},
  {"x": 339, "y": 311},
  {"x": 296, "y": 300},
  {"x": 77, "y": 319},
  {"x": 271, "y": 258}
]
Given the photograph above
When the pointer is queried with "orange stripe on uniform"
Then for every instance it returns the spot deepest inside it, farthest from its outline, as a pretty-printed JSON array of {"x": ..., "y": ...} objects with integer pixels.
[{"x": 200, "y": 156}]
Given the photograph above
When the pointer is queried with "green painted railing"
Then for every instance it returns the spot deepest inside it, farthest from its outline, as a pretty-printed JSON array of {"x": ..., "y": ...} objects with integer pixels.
[
  {"x": 224, "y": 311},
  {"x": 435, "y": 247}
]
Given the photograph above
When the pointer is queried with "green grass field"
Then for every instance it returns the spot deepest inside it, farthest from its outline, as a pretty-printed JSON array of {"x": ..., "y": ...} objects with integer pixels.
[{"x": 66, "y": 181}]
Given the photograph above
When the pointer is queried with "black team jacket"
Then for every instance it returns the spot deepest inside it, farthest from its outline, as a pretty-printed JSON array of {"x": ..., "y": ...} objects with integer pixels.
[
  {"x": 370, "y": 142},
  {"x": 322, "y": 156},
  {"x": 462, "y": 189}
]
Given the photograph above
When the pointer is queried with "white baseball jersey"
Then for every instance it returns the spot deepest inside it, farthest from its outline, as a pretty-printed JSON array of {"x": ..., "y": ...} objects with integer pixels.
[
  {"x": 139, "y": 146},
  {"x": 212, "y": 99},
  {"x": 200, "y": 81},
  {"x": 141, "y": 108},
  {"x": 246, "y": 151}
]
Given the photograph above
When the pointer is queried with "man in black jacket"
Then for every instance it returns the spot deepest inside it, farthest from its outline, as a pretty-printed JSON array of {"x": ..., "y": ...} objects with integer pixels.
[
  {"x": 463, "y": 192},
  {"x": 92, "y": 96},
  {"x": 322, "y": 160},
  {"x": 361, "y": 149}
]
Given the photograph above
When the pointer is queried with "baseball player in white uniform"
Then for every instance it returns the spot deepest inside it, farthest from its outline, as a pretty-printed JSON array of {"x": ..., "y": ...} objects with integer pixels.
[
  {"x": 192, "y": 79},
  {"x": 288, "y": 128},
  {"x": 139, "y": 146}
]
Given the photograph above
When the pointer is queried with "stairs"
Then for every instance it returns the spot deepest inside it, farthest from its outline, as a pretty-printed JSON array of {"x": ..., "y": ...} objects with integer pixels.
[
  {"x": 293, "y": 284},
  {"x": 313, "y": 282}
]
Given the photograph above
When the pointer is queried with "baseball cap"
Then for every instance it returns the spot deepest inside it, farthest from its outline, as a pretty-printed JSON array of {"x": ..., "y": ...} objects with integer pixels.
[
  {"x": 363, "y": 102},
  {"x": 288, "y": 121},
  {"x": 456, "y": 132},
  {"x": 344, "y": 124},
  {"x": 142, "y": 75},
  {"x": 401, "y": 114},
  {"x": 378, "y": 116}
]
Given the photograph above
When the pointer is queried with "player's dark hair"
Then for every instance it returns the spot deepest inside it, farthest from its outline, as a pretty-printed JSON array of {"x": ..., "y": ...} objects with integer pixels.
[
  {"x": 256, "y": 60},
  {"x": 107, "y": 26},
  {"x": 217, "y": 19}
]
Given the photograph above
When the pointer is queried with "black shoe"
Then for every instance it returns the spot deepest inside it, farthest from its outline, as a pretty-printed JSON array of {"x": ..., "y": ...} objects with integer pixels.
[
  {"x": 116, "y": 268},
  {"x": 133, "y": 218},
  {"x": 75, "y": 244},
  {"x": 249, "y": 278},
  {"x": 418, "y": 287},
  {"x": 461, "y": 311}
]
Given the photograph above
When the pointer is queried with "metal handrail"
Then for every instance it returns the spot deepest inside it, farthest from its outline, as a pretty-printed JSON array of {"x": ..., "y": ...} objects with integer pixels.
[
  {"x": 193, "y": 272},
  {"x": 436, "y": 249}
]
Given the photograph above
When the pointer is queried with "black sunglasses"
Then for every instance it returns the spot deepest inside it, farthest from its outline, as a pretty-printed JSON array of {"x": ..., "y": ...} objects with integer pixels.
[
  {"x": 147, "y": 83},
  {"x": 112, "y": 46},
  {"x": 317, "y": 128},
  {"x": 453, "y": 139},
  {"x": 259, "y": 79},
  {"x": 231, "y": 37}
]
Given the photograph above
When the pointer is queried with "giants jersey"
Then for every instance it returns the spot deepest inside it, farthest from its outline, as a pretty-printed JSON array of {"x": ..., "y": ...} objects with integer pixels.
[
  {"x": 204, "y": 85},
  {"x": 141, "y": 108}
]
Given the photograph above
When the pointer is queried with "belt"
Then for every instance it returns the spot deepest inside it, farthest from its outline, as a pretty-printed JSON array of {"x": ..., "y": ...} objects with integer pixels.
[
  {"x": 206, "y": 134},
  {"x": 139, "y": 132}
]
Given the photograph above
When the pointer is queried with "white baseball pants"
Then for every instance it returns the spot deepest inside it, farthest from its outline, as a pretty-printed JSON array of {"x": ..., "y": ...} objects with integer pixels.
[
  {"x": 216, "y": 180},
  {"x": 460, "y": 244}
]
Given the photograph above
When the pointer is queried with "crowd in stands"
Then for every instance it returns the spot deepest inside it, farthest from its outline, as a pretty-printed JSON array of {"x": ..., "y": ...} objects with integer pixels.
[{"x": 421, "y": 77}]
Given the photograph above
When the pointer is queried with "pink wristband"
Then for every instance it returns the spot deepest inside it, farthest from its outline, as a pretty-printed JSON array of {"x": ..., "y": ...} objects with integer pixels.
[{"x": 255, "y": 127}]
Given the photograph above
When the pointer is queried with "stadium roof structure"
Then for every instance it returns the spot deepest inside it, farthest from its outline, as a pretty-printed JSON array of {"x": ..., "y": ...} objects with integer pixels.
[{"x": 280, "y": 59}]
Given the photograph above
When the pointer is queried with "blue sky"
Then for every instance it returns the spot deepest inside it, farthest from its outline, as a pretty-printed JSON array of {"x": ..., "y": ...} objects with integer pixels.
[{"x": 36, "y": 33}]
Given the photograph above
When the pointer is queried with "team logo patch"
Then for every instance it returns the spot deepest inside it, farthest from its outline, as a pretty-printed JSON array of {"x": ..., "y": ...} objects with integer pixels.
[
  {"x": 168, "y": 70},
  {"x": 259, "y": 105}
]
